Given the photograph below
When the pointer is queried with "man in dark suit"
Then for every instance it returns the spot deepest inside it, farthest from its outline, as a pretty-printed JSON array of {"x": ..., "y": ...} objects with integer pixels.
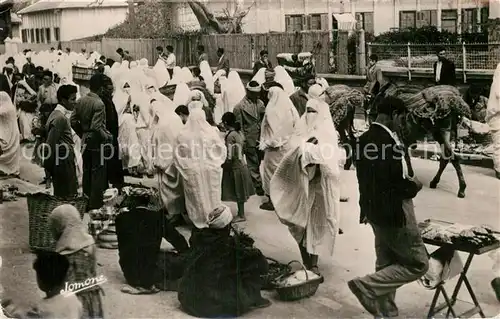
[
  {"x": 386, "y": 187},
  {"x": 263, "y": 62},
  {"x": 223, "y": 61},
  {"x": 444, "y": 69}
]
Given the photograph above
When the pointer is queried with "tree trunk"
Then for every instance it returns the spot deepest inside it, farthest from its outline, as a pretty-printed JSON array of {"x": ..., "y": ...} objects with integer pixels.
[{"x": 206, "y": 19}]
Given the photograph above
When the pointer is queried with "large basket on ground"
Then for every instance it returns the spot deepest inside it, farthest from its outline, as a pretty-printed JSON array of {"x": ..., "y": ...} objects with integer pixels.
[
  {"x": 82, "y": 73},
  {"x": 40, "y": 205},
  {"x": 299, "y": 291}
]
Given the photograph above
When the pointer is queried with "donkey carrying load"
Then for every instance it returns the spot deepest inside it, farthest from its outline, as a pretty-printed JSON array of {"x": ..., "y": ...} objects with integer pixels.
[{"x": 436, "y": 110}]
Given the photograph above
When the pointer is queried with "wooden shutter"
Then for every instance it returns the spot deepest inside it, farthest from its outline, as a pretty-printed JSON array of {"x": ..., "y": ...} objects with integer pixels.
[
  {"x": 306, "y": 22},
  {"x": 434, "y": 17},
  {"x": 368, "y": 24},
  {"x": 288, "y": 27},
  {"x": 324, "y": 22}
]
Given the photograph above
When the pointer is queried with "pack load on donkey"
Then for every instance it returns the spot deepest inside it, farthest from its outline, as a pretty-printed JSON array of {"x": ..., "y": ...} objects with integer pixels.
[
  {"x": 436, "y": 110},
  {"x": 297, "y": 65}
]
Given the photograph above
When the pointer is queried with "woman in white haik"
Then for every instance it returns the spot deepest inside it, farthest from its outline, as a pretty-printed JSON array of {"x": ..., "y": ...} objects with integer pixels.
[
  {"x": 278, "y": 126},
  {"x": 207, "y": 75},
  {"x": 219, "y": 98},
  {"x": 305, "y": 188},
  {"x": 283, "y": 78},
  {"x": 200, "y": 153},
  {"x": 234, "y": 92}
]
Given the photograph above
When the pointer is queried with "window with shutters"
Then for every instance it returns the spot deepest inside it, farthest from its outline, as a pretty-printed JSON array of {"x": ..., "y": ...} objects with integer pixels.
[
  {"x": 24, "y": 35},
  {"x": 42, "y": 36},
  {"x": 366, "y": 20},
  {"x": 32, "y": 35},
  {"x": 485, "y": 12},
  {"x": 315, "y": 22},
  {"x": 37, "y": 34},
  {"x": 294, "y": 23},
  {"x": 407, "y": 19},
  {"x": 449, "y": 20},
  {"x": 426, "y": 18},
  {"x": 57, "y": 34},
  {"x": 48, "y": 35},
  {"x": 469, "y": 20}
]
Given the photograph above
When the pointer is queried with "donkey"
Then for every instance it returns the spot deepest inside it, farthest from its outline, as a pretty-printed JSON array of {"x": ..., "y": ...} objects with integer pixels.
[{"x": 414, "y": 124}]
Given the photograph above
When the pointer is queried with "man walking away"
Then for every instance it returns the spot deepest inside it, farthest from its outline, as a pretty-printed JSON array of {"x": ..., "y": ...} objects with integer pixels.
[
  {"x": 249, "y": 114},
  {"x": 223, "y": 61},
  {"x": 89, "y": 122},
  {"x": 124, "y": 55},
  {"x": 202, "y": 56},
  {"x": 300, "y": 97},
  {"x": 375, "y": 84},
  {"x": 262, "y": 63},
  {"x": 170, "y": 61},
  {"x": 61, "y": 163},
  {"x": 114, "y": 165},
  {"x": 444, "y": 69},
  {"x": 386, "y": 187}
]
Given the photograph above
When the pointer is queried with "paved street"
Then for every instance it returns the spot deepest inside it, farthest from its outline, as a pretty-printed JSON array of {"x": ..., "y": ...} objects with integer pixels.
[{"x": 354, "y": 255}]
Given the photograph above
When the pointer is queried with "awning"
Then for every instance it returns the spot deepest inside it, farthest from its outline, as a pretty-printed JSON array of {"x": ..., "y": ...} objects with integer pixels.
[{"x": 345, "y": 21}]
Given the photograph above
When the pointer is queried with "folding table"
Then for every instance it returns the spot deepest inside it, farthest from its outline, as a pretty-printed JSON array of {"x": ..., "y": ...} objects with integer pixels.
[{"x": 450, "y": 302}]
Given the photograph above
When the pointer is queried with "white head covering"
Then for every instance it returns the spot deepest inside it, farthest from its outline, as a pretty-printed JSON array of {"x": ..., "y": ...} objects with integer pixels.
[
  {"x": 143, "y": 63},
  {"x": 280, "y": 120},
  {"x": 197, "y": 95},
  {"x": 208, "y": 78},
  {"x": 182, "y": 94},
  {"x": 493, "y": 108},
  {"x": 186, "y": 75},
  {"x": 161, "y": 73},
  {"x": 176, "y": 76},
  {"x": 68, "y": 230},
  {"x": 283, "y": 78},
  {"x": 323, "y": 82},
  {"x": 235, "y": 91},
  {"x": 317, "y": 92},
  {"x": 218, "y": 74},
  {"x": 259, "y": 77}
]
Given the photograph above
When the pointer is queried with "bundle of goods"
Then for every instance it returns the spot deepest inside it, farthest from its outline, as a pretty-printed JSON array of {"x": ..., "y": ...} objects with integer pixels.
[
  {"x": 297, "y": 285},
  {"x": 140, "y": 196},
  {"x": 464, "y": 236},
  {"x": 341, "y": 99},
  {"x": 442, "y": 100},
  {"x": 40, "y": 205},
  {"x": 297, "y": 65},
  {"x": 83, "y": 73},
  {"x": 276, "y": 270}
]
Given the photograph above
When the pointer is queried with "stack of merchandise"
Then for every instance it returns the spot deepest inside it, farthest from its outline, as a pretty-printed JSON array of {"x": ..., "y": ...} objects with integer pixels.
[{"x": 102, "y": 221}]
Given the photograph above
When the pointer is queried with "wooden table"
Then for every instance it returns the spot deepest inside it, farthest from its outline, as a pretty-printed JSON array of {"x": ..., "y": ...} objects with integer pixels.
[{"x": 450, "y": 302}]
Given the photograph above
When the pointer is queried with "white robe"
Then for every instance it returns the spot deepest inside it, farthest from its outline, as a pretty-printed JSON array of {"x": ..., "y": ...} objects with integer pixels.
[{"x": 493, "y": 117}]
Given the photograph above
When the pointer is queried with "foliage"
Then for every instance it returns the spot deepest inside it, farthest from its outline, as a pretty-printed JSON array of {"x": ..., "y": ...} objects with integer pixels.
[
  {"x": 352, "y": 45},
  {"x": 153, "y": 20},
  {"x": 429, "y": 34}
]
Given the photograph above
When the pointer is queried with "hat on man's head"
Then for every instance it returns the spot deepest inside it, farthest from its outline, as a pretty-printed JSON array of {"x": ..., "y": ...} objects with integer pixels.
[
  {"x": 254, "y": 86},
  {"x": 269, "y": 75},
  {"x": 9, "y": 66}
]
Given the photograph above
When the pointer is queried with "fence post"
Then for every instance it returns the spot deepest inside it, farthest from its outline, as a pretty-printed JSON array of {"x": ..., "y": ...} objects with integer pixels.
[
  {"x": 464, "y": 62},
  {"x": 409, "y": 61},
  {"x": 361, "y": 56}
]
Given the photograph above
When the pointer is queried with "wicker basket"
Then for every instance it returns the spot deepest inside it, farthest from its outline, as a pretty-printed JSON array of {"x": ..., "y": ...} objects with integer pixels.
[
  {"x": 82, "y": 73},
  {"x": 40, "y": 205},
  {"x": 299, "y": 291},
  {"x": 276, "y": 270}
]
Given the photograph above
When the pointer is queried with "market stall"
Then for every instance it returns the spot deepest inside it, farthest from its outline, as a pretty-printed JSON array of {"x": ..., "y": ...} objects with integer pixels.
[{"x": 461, "y": 238}]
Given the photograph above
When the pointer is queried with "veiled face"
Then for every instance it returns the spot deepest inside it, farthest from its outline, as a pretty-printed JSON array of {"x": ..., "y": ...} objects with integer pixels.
[{"x": 311, "y": 115}]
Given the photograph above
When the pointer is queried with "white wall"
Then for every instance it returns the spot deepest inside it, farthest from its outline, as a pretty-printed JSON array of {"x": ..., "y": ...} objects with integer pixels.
[{"x": 82, "y": 23}]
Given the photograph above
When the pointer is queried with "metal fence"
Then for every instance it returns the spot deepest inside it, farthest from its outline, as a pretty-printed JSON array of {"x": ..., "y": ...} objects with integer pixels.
[
  {"x": 467, "y": 57},
  {"x": 241, "y": 49}
]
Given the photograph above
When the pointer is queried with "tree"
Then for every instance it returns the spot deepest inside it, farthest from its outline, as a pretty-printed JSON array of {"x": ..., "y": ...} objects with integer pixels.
[{"x": 209, "y": 23}]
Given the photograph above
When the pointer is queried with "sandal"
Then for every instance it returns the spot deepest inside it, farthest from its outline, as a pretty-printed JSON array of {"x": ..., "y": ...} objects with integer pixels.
[
  {"x": 262, "y": 303},
  {"x": 139, "y": 290},
  {"x": 239, "y": 219}
]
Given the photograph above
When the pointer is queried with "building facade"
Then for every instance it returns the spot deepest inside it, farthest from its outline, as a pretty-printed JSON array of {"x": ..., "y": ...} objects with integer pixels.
[
  {"x": 375, "y": 16},
  {"x": 48, "y": 21}
]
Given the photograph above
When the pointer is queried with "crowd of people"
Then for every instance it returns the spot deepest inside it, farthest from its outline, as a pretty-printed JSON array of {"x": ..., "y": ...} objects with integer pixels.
[{"x": 266, "y": 138}]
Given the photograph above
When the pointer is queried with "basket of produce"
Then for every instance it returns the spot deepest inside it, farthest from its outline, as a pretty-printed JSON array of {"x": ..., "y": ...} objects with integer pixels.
[
  {"x": 276, "y": 270},
  {"x": 298, "y": 285},
  {"x": 141, "y": 196},
  {"x": 81, "y": 73},
  {"x": 40, "y": 205}
]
